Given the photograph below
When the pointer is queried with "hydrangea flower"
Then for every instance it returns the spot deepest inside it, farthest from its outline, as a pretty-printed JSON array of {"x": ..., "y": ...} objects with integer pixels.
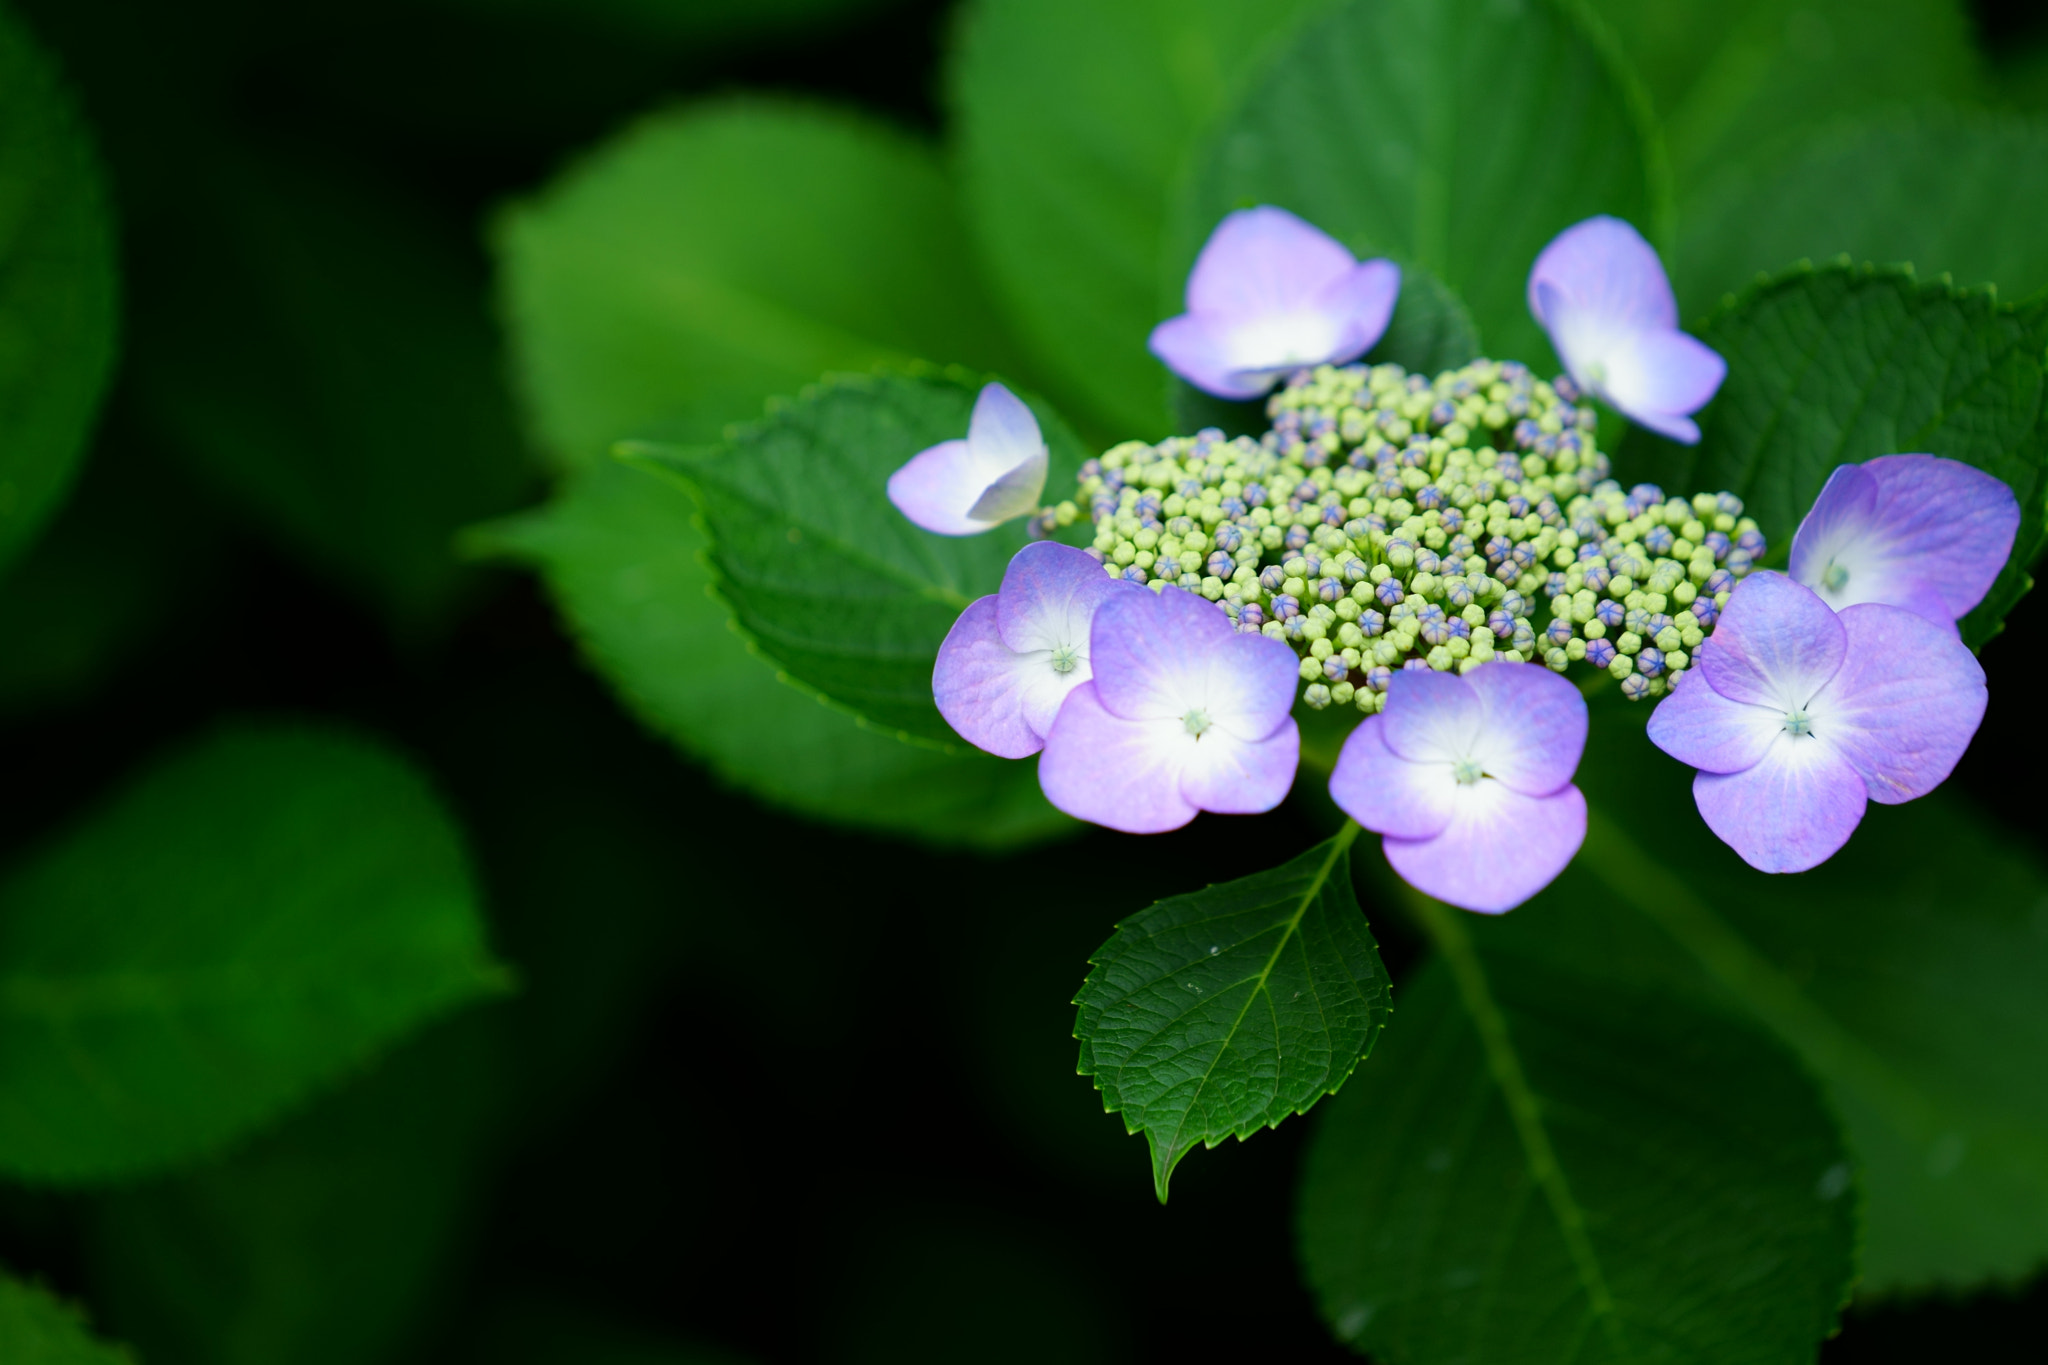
[
  {"x": 1271, "y": 294},
  {"x": 1469, "y": 777},
  {"x": 1601, "y": 293},
  {"x": 962, "y": 488},
  {"x": 1012, "y": 658},
  {"x": 1911, "y": 531},
  {"x": 1801, "y": 715},
  {"x": 1183, "y": 714}
]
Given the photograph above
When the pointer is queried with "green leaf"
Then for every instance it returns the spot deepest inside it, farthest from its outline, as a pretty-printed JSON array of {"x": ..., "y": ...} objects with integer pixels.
[
  {"x": 37, "y": 1328},
  {"x": 1539, "y": 1164},
  {"x": 251, "y": 917},
  {"x": 1222, "y": 1012},
  {"x": 620, "y": 551},
  {"x": 1731, "y": 78},
  {"x": 1075, "y": 119},
  {"x": 821, "y": 570},
  {"x": 1951, "y": 191},
  {"x": 1461, "y": 135},
  {"x": 1841, "y": 364},
  {"x": 57, "y": 288}
]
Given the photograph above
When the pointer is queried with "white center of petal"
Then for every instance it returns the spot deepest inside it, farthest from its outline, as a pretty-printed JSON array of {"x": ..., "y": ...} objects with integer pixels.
[
  {"x": 1798, "y": 722},
  {"x": 1066, "y": 658},
  {"x": 1197, "y": 720},
  {"x": 1467, "y": 771}
]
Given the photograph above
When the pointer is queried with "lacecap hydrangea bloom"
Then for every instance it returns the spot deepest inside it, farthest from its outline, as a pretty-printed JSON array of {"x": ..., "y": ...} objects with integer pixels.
[{"x": 965, "y": 487}]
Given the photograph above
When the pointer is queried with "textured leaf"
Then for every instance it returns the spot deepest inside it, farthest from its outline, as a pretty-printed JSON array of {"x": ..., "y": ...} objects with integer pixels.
[
  {"x": 1950, "y": 191},
  {"x": 620, "y": 551},
  {"x": 251, "y": 917},
  {"x": 1222, "y": 1012},
  {"x": 36, "y": 1328},
  {"x": 57, "y": 288},
  {"x": 1839, "y": 365},
  {"x": 1461, "y": 135},
  {"x": 832, "y": 582},
  {"x": 1075, "y": 118},
  {"x": 1541, "y": 1165}
]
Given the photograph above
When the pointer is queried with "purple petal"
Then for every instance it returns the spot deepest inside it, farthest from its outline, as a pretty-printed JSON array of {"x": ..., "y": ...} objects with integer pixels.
[
  {"x": 1155, "y": 654},
  {"x": 1604, "y": 269},
  {"x": 1701, "y": 728},
  {"x": 1199, "y": 350},
  {"x": 1233, "y": 776},
  {"x": 1251, "y": 685},
  {"x": 940, "y": 485},
  {"x": 1499, "y": 849},
  {"x": 1385, "y": 792},
  {"x": 1775, "y": 646},
  {"x": 1050, "y": 595},
  {"x": 1110, "y": 771},
  {"x": 1656, "y": 378},
  {"x": 962, "y": 488},
  {"x": 1263, "y": 261},
  {"x": 1791, "y": 811},
  {"x": 994, "y": 697},
  {"x": 1003, "y": 427},
  {"x": 1905, "y": 703},
  {"x": 1535, "y": 727},
  {"x": 1432, "y": 717},
  {"x": 1363, "y": 298}
]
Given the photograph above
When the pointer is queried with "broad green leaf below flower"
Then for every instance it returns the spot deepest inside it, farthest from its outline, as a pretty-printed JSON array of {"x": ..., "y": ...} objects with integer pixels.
[
  {"x": 1218, "y": 1013},
  {"x": 37, "y": 1328},
  {"x": 252, "y": 916}
]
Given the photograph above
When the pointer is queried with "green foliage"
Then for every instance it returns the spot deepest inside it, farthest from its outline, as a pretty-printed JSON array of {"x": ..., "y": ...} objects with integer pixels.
[
  {"x": 36, "y": 1328},
  {"x": 1456, "y": 134},
  {"x": 1542, "y": 1164},
  {"x": 675, "y": 21},
  {"x": 1730, "y": 79},
  {"x": 822, "y": 572},
  {"x": 1950, "y": 191},
  {"x": 1224, "y": 1011},
  {"x": 1074, "y": 120},
  {"x": 57, "y": 288},
  {"x": 621, "y": 552},
  {"x": 1842, "y": 364},
  {"x": 251, "y": 917}
]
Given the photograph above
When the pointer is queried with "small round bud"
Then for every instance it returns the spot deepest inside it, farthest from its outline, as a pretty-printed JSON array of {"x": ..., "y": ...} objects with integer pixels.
[{"x": 1316, "y": 696}]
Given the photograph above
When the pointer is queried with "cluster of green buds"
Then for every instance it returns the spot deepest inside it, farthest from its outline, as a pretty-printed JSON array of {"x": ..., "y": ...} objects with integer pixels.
[{"x": 1392, "y": 521}]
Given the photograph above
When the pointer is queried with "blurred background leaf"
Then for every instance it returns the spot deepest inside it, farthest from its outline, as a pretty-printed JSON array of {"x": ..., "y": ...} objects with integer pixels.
[{"x": 37, "y": 1328}]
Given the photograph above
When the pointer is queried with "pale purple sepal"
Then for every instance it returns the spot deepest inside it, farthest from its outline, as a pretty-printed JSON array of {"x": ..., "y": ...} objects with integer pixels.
[
  {"x": 1775, "y": 645},
  {"x": 1913, "y": 531},
  {"x": 1268, "y": 295},
  {"x": 962, "y": 488},
  {"x": 1469, "y": 778},
  {"x": 1791, "y": 811},
  {"x": 1183, "y": 715},
  {"x": 1602, "y": 294},
  {"x": 1909, "y": 698},
  {"x": 1012, "y": 658}
]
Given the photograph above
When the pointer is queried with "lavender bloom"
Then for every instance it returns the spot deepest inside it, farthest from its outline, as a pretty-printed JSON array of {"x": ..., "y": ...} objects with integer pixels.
[
  {"x": 1801, "y": 715},
  {"x": 1911, "y": 531},
  {"x": 1601, "y": 293},
  {"x": 962, "y": 488},
  {"x": 1182, "y": 715},
  {"x": 1011, "y": 659},
  {"x": 1469, "y": 777},
  {"x": 1270, "y": 294}
]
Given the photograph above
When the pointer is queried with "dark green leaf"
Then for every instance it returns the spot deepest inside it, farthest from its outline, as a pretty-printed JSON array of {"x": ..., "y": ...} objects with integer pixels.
[
  {"x": 696, "y": 23},
  {"x": 621, "y": 553},
  {"x": 1222, "y": 1012},
  {"x": 1461, "y": 135},
  {"x": 1541, "y": 1165},
  {"x": 36, "y": 1328},
  {"x": 1950, "y": 191},
  {"x": 821, "y": 570},
  {"x": 57, "y": 288},
  {"x": 251, "y": 917},
  {"x": 1839, "y": 365},
  {"x": 1075, "y": 120}
]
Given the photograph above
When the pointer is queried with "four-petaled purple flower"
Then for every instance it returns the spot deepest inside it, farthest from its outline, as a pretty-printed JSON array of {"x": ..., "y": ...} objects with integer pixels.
[
  {"x": 1801, "y": 715},
  {"x": 1012, "y": 658},
  {"x": 1183, "y": 714},
  {"x": 1470, "y": 779},
  {"x": 1601, "y": 293},
  {"x": 1911, "y": 531},
  {"x": 1270, "y": 294},
  {"x": 962, "y": 488}
]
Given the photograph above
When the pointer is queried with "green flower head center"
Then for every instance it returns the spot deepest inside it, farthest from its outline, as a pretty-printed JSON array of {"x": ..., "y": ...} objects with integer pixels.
[
  {"x": 1835, "y": 577},
  {"x": 1066, "y": 658},
  {"x": 1467, "y": 771},
  {"x": 1798, "y": 723},
  {"x": 1197, "y": 720}
]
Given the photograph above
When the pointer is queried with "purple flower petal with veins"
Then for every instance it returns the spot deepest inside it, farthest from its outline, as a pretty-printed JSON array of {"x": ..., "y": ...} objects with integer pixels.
[
  {"x": 1469, "y": 777},
  {"x": 1913, "y": 531},
  {"x": 1800, "y": 715},
  {"x": 1012, "y": 658},
  {"x": 1268, "y": 295},
  {"x": 962, "y": 488},
  {"x": 1183, "y": 714},
  {"x": 1601, "y": 293}
]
